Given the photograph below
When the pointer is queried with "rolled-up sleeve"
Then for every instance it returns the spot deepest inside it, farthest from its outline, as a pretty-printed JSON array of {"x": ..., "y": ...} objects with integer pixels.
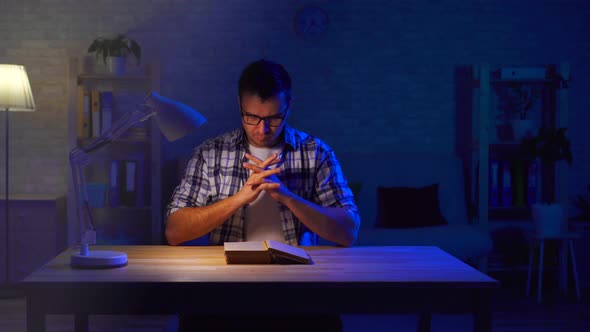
[
  {"x": 332, "y": 187},
  {"x": 193, "y": 189}
]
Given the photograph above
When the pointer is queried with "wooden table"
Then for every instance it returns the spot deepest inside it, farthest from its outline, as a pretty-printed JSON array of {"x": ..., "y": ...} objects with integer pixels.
[{"x": 185, "y": 280}]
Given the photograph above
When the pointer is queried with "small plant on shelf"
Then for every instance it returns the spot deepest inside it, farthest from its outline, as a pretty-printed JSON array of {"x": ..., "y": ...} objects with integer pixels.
[
  {"x": 583, "y": 204},
  {"x": 120, "y": 46},
  {"x": 517, "y": 101},
  {"x": 114, "y": 52}
]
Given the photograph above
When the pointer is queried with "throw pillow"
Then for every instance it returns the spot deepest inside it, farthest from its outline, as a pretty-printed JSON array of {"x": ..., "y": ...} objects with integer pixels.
[{"x": 407, "y": 207}]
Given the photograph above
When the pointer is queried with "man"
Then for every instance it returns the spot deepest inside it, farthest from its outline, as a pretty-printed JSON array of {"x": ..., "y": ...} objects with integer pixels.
[{"x": 265, "y": 180}]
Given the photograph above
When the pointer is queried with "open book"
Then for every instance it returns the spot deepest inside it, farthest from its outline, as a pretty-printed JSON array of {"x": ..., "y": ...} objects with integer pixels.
[{"x": 264, "y": 252}]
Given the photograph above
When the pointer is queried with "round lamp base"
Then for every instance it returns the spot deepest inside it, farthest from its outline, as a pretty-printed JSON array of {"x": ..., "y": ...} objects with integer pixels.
[{"x": 99, "y": 259}]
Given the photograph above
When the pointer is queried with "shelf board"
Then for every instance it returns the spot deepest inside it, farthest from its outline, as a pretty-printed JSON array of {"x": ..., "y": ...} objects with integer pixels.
[
  {"x": 522, "y": 80},
  {"x": 510, "y": 213},
  {"x": 510, "y": 208},
  {"x": 121, "y": 140},
  {"x": 31, "y": 197},
  {"x": 107, "y": 209},
  {"x": 507, "y": 144},
  {"x": 109, "y": 77}
]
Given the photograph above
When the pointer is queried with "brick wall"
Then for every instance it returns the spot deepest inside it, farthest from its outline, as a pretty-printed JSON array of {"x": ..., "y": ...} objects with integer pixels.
[{"x": 381, "y": 80}]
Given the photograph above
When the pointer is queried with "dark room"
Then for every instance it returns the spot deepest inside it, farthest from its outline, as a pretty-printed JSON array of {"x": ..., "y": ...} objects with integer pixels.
[{"x": 294, "y": 165}]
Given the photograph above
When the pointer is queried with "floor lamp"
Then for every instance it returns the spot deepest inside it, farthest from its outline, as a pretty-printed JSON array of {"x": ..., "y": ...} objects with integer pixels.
[{"x": 15, "y": 95}]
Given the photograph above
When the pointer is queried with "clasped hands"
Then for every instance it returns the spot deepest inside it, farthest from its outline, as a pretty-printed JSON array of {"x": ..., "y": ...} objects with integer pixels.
[{"x": 263, "y": 178}]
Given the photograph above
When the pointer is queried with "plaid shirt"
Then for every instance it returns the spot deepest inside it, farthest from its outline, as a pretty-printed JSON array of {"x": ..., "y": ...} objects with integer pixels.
[{"x": 308, "y": 168}]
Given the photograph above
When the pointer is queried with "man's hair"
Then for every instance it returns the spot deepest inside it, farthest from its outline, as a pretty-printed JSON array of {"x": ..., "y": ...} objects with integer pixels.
[{"x": 266, "y": 79}]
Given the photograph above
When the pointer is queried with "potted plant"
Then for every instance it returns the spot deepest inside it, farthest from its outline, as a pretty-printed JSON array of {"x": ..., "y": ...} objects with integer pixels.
[
  {"x": 549, "y": 146},
  {"x": 114, "y": 51},
  {"x": 516, "y": 101},
  {"x": 583, "y": 205}
]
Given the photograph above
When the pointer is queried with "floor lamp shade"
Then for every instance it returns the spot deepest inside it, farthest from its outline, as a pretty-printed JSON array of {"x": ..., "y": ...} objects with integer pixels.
[
  {"x": 15, "y": 90},
  {"x": 15, "y": 95}
]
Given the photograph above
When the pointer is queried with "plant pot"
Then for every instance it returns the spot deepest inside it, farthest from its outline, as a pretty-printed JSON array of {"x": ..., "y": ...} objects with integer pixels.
[
  {"x": 522, "y": 128},
  {"x": 116, "y": 65},
  {"x": 549, "y": 219}
]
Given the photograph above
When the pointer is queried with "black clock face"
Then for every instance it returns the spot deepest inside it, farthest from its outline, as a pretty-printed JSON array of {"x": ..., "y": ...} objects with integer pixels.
[{"x": 311, "y": 22}]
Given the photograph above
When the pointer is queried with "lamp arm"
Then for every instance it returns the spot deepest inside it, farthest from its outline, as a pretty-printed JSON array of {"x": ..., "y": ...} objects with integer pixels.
[
  {"x": 128, "y": 120},
  {"x": 79, "y": 157}
]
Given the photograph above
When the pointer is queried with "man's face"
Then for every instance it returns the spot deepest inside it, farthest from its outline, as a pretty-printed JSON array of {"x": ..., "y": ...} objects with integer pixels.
[{"x": 273, "y": 111}]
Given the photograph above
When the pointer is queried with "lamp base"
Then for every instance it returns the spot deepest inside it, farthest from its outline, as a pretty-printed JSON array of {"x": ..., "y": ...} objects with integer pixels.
[{"x": 99, "y": 259}]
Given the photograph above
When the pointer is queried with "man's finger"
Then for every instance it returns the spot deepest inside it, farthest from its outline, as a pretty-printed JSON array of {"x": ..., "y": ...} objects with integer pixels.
[
  {"x": 260, "y": 163},
  {"x": 269, "y": 160},
  {"x": 260, "y": 177},
  {"x": 269, "y": 186},
  {"x": 254, "y": 159},
  {"x": 269, "y": 172},
  {"x": 253, "y": 167}
]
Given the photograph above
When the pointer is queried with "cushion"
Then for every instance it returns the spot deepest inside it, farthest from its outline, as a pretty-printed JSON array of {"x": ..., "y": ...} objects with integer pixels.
[{"x": 407, "y": 207}]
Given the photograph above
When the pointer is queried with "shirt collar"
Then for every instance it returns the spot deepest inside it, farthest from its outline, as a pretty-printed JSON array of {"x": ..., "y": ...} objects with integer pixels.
[{"x": 288, "y": 136}]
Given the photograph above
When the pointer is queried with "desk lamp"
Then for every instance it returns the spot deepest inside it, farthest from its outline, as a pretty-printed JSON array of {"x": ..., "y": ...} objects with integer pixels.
[{"x": 174, "y": 119}]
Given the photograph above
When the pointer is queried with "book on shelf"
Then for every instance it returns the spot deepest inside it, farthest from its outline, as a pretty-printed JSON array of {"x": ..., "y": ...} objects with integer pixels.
[
  {"x": 513, "y": 183},
  {"x": 140, "y": 184},
  {"x": 127, "y": 182},
  {"x": 494, "y": 200},
  {"x": 264, "y": 252},
  {"x": 95, "y": 111},
  {"x": 518, "y": 183},
  {"x": 114, "y": 191},
  {"x": 506, "y": 195},
  {"x": 83, "y": 114},
  {"x": 126, "y": 103},
  {"x": 532, "y": 184},
  {"x": 106, "y": 110}
]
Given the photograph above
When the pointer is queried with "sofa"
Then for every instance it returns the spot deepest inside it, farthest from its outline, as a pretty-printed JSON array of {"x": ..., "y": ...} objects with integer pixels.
[{"x": 459, "y": 237}]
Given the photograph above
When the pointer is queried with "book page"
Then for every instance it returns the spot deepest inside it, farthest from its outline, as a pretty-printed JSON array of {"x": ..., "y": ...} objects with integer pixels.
[
  {"x": 288, "y": 251},
  {"x": 245, "y": 246}
]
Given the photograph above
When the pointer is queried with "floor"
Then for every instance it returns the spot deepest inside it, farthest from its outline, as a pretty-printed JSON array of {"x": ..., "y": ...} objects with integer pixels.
[{"x": 512, "y": 311}]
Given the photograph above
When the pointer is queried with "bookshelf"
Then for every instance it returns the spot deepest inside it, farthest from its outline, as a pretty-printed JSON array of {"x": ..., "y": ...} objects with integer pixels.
[
  {"x": 505, "y": 183},
  {"x": 124, "y": 178}
]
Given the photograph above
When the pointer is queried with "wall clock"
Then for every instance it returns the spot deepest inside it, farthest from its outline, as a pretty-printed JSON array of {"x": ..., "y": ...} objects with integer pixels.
[{"x": 311, "y": 22}]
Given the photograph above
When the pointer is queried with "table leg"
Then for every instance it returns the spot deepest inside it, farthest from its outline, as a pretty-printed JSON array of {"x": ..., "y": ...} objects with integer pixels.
[
  {"x": 35, "y": 316},
  {"x": 576, "y": 281},
  {"x": 530, "y": 271},
  {"x": 424, "y": 321},
  {"x": 541, "y": 256},
  {"x": 563, "y": 266},
  {"x": 81, "y": 323},
  {"x": 482, "y": 321}
]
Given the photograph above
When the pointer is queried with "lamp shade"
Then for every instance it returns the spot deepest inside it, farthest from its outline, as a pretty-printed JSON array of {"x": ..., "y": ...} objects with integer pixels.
[
  {"x": 15, "y": 90},
  {"x": 174, "y": 118}
]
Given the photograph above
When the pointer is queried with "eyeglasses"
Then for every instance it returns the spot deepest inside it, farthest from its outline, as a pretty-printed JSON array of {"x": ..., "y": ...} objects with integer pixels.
[{"x": 273, "y": 121}]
